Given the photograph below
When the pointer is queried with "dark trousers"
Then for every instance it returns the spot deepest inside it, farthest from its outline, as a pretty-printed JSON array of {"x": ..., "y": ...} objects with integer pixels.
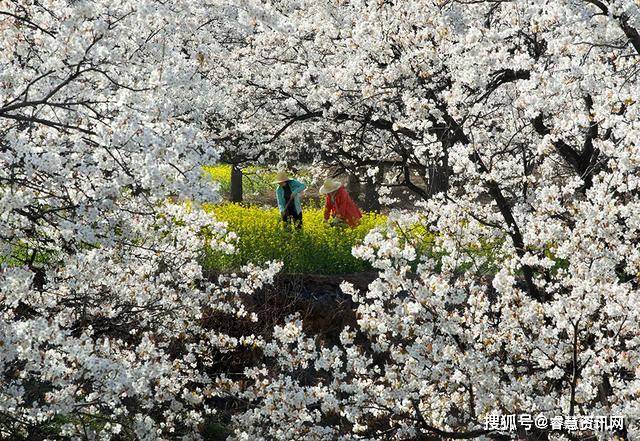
[{"x": 289, "y": 218}]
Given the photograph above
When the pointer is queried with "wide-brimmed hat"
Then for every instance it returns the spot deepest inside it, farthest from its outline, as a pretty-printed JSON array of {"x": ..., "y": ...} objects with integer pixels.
[
  {"x": 281, "y": 176},
  {"x": 330, "y": 185}
]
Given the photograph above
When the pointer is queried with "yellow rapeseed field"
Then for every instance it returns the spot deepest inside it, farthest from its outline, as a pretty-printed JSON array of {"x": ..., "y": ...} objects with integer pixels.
[{"x": 317, "y": 248}]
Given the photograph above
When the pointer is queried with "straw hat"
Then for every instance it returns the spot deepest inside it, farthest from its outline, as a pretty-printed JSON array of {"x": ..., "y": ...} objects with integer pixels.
[
  {"x": 330, "y": 185},
  {"x": 281, "y": 176}
]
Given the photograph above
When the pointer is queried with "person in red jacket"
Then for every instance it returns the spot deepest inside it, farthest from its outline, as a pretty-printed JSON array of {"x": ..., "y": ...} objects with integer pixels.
[{"x": 339, "y": 204}]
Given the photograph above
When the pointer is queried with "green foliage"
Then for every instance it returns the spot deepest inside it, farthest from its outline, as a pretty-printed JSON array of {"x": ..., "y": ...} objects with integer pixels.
[
  {"x": 316, "y": 248},
  {"x": 24, "y": 253},
  {"x": 215, "y": 430}
]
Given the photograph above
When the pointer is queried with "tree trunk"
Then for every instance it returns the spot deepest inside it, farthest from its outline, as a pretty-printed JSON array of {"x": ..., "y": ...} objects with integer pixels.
[
  {"x": 371, "y": 202},
  {"x": 438, "y": 179},
  {"x": 236, "y": 183},
  {"x": 353, "y": 187}
]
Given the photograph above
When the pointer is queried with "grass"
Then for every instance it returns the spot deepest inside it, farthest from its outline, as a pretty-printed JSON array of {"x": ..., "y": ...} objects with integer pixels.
[{"x": 317, "y": 248}]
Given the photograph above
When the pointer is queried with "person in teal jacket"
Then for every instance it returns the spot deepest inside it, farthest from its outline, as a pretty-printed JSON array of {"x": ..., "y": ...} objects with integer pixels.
[{"x": 288, "y": 197}]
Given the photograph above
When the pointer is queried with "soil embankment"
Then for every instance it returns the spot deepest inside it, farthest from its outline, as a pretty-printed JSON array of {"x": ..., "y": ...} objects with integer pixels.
[{"x": 323, "y": 307}]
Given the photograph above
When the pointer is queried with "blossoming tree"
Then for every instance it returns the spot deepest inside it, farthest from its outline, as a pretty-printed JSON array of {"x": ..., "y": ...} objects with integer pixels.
[
  {"x": 526, "y": 303},
  {"x": 102, "y": 297}
]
